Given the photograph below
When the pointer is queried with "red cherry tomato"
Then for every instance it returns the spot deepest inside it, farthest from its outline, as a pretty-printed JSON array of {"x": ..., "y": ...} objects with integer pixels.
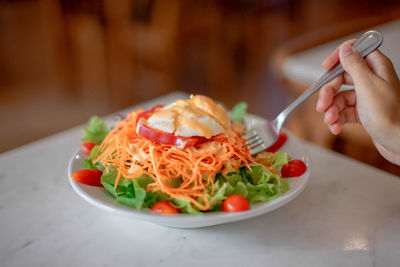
[
  {"x": 235, "y": 203},
  {"x": 164, "y": 207},
  {"x": 86, "y": 147},
  {"x": 293, "y": 168},
  {"x": 278, "y": 144},
  {"x": 88, "y": 176}
]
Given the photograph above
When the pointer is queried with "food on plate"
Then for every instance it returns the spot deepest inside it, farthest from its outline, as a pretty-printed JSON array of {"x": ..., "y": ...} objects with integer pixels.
[
  {"x": 88, "y": 176},
  {"x": 188, "y": 156},
  {"x": 293, "y": 168},
  {"x": 164, "y": 207},
  {"x": 87, "y": 146},
  {"x": 235, "y": 203}
]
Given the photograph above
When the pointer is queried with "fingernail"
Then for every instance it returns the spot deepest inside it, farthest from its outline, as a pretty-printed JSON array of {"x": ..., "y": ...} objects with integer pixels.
[
  {"x": 317, "y": 106},
  {"x": 346, "y": 50},
  {"x": 331, "y": 129}
]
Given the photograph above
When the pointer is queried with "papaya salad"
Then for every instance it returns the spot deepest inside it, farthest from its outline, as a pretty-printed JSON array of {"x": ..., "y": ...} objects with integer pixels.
[{"x": 185, "y": 157}]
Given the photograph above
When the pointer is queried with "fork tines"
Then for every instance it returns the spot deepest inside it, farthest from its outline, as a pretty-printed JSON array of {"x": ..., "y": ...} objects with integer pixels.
[{"x": 254, "y": 142}]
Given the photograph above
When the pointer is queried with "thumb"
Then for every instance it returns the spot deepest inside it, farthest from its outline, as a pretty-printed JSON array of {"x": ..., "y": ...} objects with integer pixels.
[{"x": 353, "y": 63}]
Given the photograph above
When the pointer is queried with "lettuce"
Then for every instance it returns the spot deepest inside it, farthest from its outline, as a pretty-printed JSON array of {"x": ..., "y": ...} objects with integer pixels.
[
  {"x": 215, "y": 200},
  {"x": 96, "y": 130},
  {"x": 257, "y": 185},
  {"x": 88, "y": 162},
  {"x": 276, "y": 160},
  {"x": 279, "y": 159},
  {"x": 238, "y": 112},
  {"x": 131, "y": 192},
  {"x": 185, "y": 206}
]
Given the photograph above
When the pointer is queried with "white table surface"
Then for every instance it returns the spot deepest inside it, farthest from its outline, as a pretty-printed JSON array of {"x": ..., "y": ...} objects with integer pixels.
[
  {"x": 349, "y": 215},
  {"x": 306, "y": 67}
]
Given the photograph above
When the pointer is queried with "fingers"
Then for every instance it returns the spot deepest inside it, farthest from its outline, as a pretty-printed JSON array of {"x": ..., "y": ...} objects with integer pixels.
[
  {"x": 354, "y": 64},
  {"x": 347, "y": 115},
  {"x": 342, "y": 110},
  {"x": 343, "y": 101},
  {"x": 377, "y": 63},
  {"x": 328, "y": 91},
  {"x": 333, "y": 58},
  {"x": 327, "y": 94},
  {"x": 381, "y": 66}
]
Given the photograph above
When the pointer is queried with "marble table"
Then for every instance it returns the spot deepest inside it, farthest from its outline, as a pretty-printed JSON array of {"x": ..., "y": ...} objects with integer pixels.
[{"x": 348, "y": 215}]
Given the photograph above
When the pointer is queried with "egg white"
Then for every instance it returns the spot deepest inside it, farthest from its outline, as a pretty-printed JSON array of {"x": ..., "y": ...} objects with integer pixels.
[{"x": 167, "y": 124}]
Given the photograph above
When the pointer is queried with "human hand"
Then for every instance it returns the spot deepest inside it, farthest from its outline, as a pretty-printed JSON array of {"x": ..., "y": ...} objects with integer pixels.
[{"x": 375, "y": 102}]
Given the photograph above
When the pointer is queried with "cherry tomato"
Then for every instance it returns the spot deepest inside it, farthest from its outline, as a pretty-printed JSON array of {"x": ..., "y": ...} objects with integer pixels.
[
  {"x": 88, "y": 177},
  {"x": 86, "y": 147},
  {"x": 235, "y": 203},
  {"x": 164, "y": 207},
  {"x": 278, "y": 144},
  {"x": 293, "y": 168}
]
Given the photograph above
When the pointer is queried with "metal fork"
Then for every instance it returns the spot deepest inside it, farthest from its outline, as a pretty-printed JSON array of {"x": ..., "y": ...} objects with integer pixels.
[{"x": 263, "y": 136}]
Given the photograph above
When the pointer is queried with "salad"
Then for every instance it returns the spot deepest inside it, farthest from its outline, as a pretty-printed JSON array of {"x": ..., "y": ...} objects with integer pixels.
[{"x": 185, "y": 157}]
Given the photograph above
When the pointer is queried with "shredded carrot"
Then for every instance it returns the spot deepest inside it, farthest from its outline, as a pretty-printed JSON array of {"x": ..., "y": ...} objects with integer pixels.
[{"x": 195, "y": 168}]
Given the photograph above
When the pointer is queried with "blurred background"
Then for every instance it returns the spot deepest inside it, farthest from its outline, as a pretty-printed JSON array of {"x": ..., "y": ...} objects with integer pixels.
[{"x": 62, "y": 61}]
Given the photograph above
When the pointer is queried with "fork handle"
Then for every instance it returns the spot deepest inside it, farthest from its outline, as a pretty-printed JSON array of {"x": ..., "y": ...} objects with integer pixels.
[{"x": 367, "y": 43}]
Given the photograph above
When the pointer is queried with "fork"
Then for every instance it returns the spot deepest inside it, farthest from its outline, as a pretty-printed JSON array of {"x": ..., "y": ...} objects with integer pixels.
[{"x": 261, "y": 137}]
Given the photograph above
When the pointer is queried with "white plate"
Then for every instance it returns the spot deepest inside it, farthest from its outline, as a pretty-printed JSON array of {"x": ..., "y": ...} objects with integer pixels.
[{"x": 102, "y": 199}]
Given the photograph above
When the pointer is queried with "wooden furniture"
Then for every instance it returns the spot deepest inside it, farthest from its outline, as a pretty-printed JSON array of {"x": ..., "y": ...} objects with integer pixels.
[{"x": 141, "y": 53}]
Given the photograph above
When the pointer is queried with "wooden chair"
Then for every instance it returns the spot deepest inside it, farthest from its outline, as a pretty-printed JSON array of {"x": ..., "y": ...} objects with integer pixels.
[{"x": 140, "y": 54}]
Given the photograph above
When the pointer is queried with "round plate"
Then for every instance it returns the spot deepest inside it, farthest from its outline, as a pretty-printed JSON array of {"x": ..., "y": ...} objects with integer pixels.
[{"x": 99, "y": 197}]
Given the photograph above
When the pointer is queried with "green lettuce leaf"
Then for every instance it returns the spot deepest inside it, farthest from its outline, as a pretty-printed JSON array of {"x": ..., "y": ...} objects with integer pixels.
[
  {"x": 279, "y": 159},
  {"x": 284, "y": 186},
  {"x": 234, "y": 177},
  {"x": 275, "y": 160},
  {"x": 238, "y": 112},
  {"x": 96, "y": 130},
  {"x": 266, "y": 184},
  {"x": 219, "y": 195},
  {"x": 239, "y": 188},
  {"x": 88, "y": 162},
  {"x": 131, "y": 192},
  {"x": 265, "y": 158},
  {"x": 257, "y": 185},
  {"x": 185, "y": 206}
]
